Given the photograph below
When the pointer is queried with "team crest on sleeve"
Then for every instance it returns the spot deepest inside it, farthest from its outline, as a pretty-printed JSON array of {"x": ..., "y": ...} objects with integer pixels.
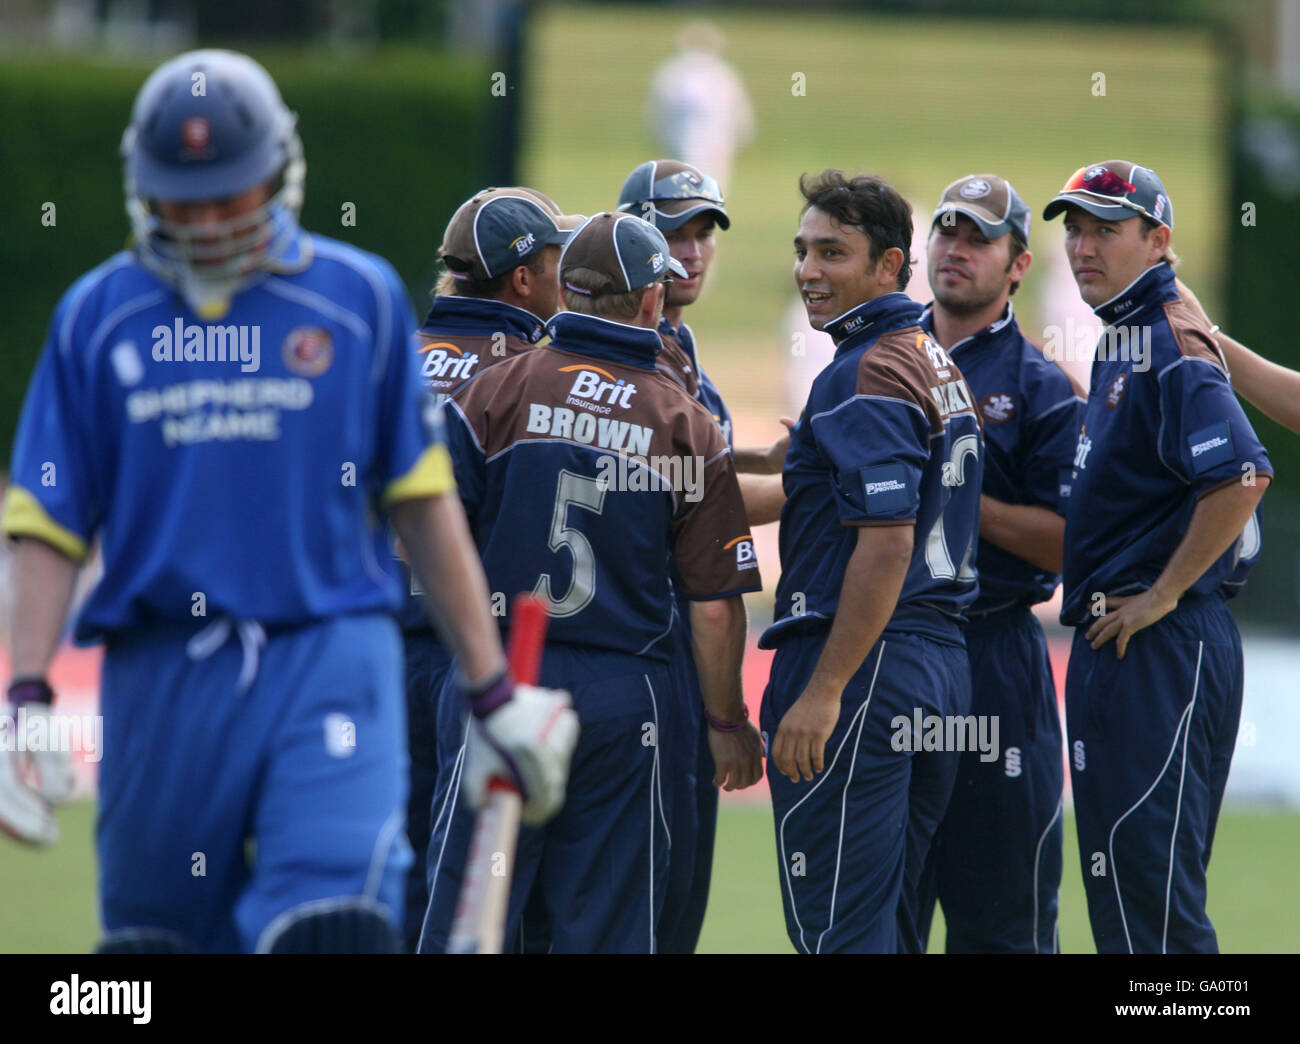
[
  {"x": 998, "y": 407},
  {"x": 308, "y": 351},
  {"x": 1117, "y": 388}
]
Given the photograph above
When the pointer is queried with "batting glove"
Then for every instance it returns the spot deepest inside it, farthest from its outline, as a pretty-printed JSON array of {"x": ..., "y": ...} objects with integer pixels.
[
  {"x": 525, "y": 735},
  {"x": 30, "y": 780}
]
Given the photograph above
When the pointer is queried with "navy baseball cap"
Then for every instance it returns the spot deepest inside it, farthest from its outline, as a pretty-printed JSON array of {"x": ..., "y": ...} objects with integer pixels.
[
  {"x": 625, "y": 252},
  {"x": 670, "y": 193},
  {"x": 501, "y": 228},
  {"x": 1115, "y": 190},
  {"x": 990, "y": 202}
]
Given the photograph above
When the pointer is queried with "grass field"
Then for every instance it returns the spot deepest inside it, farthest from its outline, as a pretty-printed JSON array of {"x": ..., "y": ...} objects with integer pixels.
[
  {"x": 919, "y": 101},
  {"x": 50, "y": 904}
]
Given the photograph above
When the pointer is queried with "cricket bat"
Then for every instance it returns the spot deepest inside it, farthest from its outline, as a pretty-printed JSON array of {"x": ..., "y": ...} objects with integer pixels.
[{"x": 480, "y": 922}]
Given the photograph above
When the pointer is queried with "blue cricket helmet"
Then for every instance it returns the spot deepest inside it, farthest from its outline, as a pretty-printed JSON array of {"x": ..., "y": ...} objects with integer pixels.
[{"x": 211, "y": 125}]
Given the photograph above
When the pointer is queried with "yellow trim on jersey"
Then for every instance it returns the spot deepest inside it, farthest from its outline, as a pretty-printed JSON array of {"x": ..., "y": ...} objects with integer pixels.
[
  {"x": 24, "y": 516},
  {"x": 431, "y": 476}
]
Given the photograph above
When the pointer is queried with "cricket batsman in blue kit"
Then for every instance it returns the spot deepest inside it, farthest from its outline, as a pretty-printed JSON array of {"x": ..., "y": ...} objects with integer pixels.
[
  {"x": 878, "y": 541},
  {"x": 582, "y": 468},
  {"x": 501, "y": 253},
  {"x": 1160, "y": 527},
  {"x": 227, "y": 408},
  {"x": 996, "y": 860}
]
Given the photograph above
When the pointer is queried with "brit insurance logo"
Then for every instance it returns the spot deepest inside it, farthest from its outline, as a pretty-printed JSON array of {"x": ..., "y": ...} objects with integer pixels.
[
  {"x": 745, "y": 555},
  {"x": 444, "y": 361},
  {"x": 524, "y": 244},
  {"x": 307, "y": 351},
  {"x": 597, "y": 389}
]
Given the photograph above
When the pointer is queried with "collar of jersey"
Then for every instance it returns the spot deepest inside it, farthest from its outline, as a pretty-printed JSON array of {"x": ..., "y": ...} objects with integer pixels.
[
  {"x": 683, "y": 336},
  {"x": 1005, "y": 320},
  {"x": 604, "y": 339},
  {"x": 1153, "y": 286},
  {"x": 476, "y": 317},
  {"x": 871, "y": 319},
  {"x": 296, "y": 252}
]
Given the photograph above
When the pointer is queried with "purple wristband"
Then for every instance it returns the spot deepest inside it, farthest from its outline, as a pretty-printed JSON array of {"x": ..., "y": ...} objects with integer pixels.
[
  {"x": 488, "y": 698},
  {"x": 29, "y": 690},
  {"x": 718, "y": 725}
]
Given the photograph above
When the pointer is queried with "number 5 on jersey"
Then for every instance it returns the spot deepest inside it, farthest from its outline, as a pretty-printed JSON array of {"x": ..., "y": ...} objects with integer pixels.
[{"x": 578, "y": 491}]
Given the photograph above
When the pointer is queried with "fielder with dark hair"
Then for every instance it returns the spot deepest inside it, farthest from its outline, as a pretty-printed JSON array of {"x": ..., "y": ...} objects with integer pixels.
[{"x": 878, "y": 540}]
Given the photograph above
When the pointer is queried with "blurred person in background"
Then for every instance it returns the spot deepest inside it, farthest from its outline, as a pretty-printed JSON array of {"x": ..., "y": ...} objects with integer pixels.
[{"x": 698, "y": 110}]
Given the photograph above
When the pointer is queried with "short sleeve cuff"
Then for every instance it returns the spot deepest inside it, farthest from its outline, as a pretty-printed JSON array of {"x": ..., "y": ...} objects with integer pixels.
[
  {"x": 25, "y": 517},
  {"x": 431, "y": 476}
]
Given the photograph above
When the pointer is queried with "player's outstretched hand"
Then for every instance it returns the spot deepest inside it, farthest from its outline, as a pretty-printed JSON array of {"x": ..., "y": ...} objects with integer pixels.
[
  {"x": 737, "y": 757},
  {"x": 775, "y": 456},
  {"x": 1125, "y": 616},
  {"x": 800, "y": 745},
  {"x": 528, "y": 740},
  {"x": 31, "y": 780}
]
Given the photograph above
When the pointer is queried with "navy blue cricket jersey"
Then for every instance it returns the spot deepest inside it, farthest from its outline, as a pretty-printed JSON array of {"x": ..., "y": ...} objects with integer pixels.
[
  {"x": 679, "y": 360},
  {"x": 582, "y": 467},
  {"x": 1031, "y": 412},
  {"x": 461, "y": 337},
  {"x": 1162, "y": 428},
  {"x": 889, "y": 437},
  {"x": 243, "y": 458}
]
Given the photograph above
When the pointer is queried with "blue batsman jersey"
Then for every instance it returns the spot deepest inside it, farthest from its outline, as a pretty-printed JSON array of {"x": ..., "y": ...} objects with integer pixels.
[
  {"x": 581, "y": 468},
  {"x": 889, "y": 436},
  {"x": 1162, "y": 428},
  {"x": 237, "y": 460},
  {"x": 1031, "y": 411}
]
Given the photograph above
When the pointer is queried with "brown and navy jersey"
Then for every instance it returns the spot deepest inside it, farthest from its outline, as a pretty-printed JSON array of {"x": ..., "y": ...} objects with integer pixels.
[
  {"x": 679, "y": 360},
  {"x": 459, "y": 339},
  {"x": 1031, "y": 411},
  {"x": 889, "y": 436},
  {"x": 582, "y": 468},
  {"x": 462, "y": 336}
]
